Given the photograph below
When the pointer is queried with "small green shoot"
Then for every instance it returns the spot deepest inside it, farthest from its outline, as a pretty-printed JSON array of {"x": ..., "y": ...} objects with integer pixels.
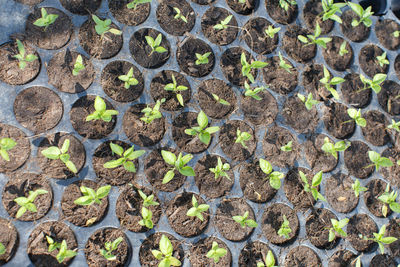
[
  {"x": 269, "y": 260},
  {"x": 202, "y": 131},
  {"x": 313, "y": 39},
  {"x": 150, "y": 114},
  {"x": 337, "y": 228},
  {"x": 273, "y": 176},
  {"x": 328, "y": 83},
  {"x": 389, "y": 199},
  {"x": 146, "y": 220},
  {"x": 128, "y": 79},
  {"x": 164, "y": 255},
  {"x": 90, "y": 196},
  {"x": 126, "y": 157},
  {"x": 357, "y": 188},
  {"x": 364, "y": 15},
  {"x": 243, "y": 221},
  {"x": 288, "y": 147},
  {"x": 178, "y": 164},
  {"x": 355, "y": 115},
  {"x": 202, "y": 59},
  {"x": 330, "y": 9},
  {"x": 2, "y": 249},
  {"x": 78, "y": 66},
  {"x": 26, "y": 203},
  {"x": 221, "y": 169},
  {"x": 378, "y": 161},
  {"x": 5, "y": 145},
  {"x": 174, "y": 87},
  {"x": 223, "y": 24},
  {"x": 253, "y": 92},
  {"x": 179, "y": 15},
  {"x": 316, "y": 181},
  {"x": 247, "y": 67},
  {"x": 394, "y": 125},
  {"x": 216, "y": 252},
  {"x": 46, "y": 20},
  {"x": 197, "y": 210},
  {"x": 103, "y": 26},
  {"x": 334, "y": 148},
  {"x": 285, "y": 4},
  {"x": 342, "y": 50},
  {"x": 382, "y": 60},
  {"x": 23, "y": 59},
  {"x": 220, "y": 100},
  {"x": 63, "y": 251},
  {"x": 155, "y": 44},
  {"x": 309, "y": 102},
  {"x": 396, "y": 34},
  {"x": 54, "y": 152},
  {"x": 101, "y": 113},
  {"x": 134, "y": 4},
  {"x": 380, "y": 239},
  {"x": 283, "y": 64},
  {"x": 285, "y": 229},
  {"x": 148, "y": 200},
  {"x": 109, "y": 247},
  {"x": 271, "y": 31},
  {"x": 242, "y": 137},
  {"x": 374, "y": 84}
]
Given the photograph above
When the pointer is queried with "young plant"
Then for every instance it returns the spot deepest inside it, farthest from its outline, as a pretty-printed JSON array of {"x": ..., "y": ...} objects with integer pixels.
[
  {"x": 342, "y": 50},
  {"x": 283, "y": 64},
  {"x": 54, "y": 152},
  {"x": 328, "y": 83},
  {"x": 247, "y": 67},
  {"x": 253, "y": 92},
  {"x": 22, "y": 58},
  {"x": 2, "y": 249},
  {"x": 146, "y": 220},
  {"x": 313, "y": 39},
  {"x": 202, "y": 59},
  {"x": 396, "y": 34},
  {"x": 150, "y": 114},
  {"x": 271, "y": 31},
  {"x": 357, "y": 188},
  {"x": 309, "y": 102},
  {"x": 274, "y": 177},
  {"x": 148, "y": 200},
  {"x": 285, "y": 4},
  {"x": 287, "y": 147},
  {"x": 378, "y": 161},
  {"x": 133, "y": 5},
  {"x": 355, "y": 115},
  {"x": 242, "y": 137},
  {"x": 164, "y": 255},
  {"x": 330, "y": 9},
  {"x": 174, "y": 87},
  {"x": 46, "y": 20},
  {"x": 100, "y": 111},
  {"x": 63, "y": 251},
  {"x": 103, "y": 26},
  {"x": 202, "y": 131},
  {"x": 334, "y": 148},
  {"x": 394, "y": 125},
  {"x": 285, "y": 229},
  {"x": 78, "y": 66},
  {"x": 336, "y": 228},
  {"x": 216, "y": 252},
  {"x": 220, "y": 100},
  {"x": 382, "y": 60},
  {"x": 178, "y": 164},
  {"x": 5, "y": 145},
  {"x": 126, "y": 157},
  {"x": 364, "y": 15},
  {"x": 128, "y": 79},
  {"x": 389, "y": 199},
  {"x": 269, "y": 260},
  {"x": 221, "y": 169},
  {"x": 109, "y": 248},
  {"x": 197, "y": 209},
  {"x": 26, "y": 203},
  {"x": 243, "y": 221},
  {"x": 380, "y": 239},
  {"x": 223, "y": 24},
  {"x": 155, "y": 44},
  {"x": 179, "y": 15},
  {"x": 316, "y": 181},
  {"x": 374, "y": 84},
  {"x": 90, "y": 196}
]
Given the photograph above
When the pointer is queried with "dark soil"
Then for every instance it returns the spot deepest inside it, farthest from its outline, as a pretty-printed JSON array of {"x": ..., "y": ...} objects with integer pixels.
[
  {"x": 260, "y": 112},
  {"x": 214, "y": 16},
  {"x": 351, "y": 93},
  {"x": 298, "y": 116},
  {"x": 296, "y": 49},
  {"x": 375, "y": 130},
  {"x": 312, "y": 12},
  {"x": 166, "y": 17},
  {"x": 199, "y": 251},
  {"x": 9, "y": 66},
  {"x": 232, "y": 68},
  {"x": 81, "y": 7},
  {"x": 242, "y": 9},
  {"x": 255, "y": 37},
  {"x": 356, "y": 159},
  {"x": 82, "y": 215},
  {"x": 29, "y": 2},
  {"x": 332, "y": 56},
  {"x": 302, "y": 256},
  {"x": 9, "y": 238},
  {"x": 376, "y": 188},
  {"x": 227, "y": 227},
  {"x": 278, "y": 79},
  {"x": 355, "y": 34},
  {"x": 316, "y": 157},
  {"x": 337, "y": 122},
  {"x": 279, "y": 14},
  {"x": 252, "y": 253},
  {"x": 317, "y": 227},
  {"x": 342, "y": 258},
  {"x": 130, "y": 17},
  {"x": 294, "y": 189},
  {"x": 391, "y": 173},
  {"x": 389, "y": 98},
  {"x": 340, "y": 194},
  {"x": 312, "y": 75},
  {"x": 397, "y": 65},
  {"x": 393, "y": 229},
  {"x": 38, "y": 247},
  {"x": 364, "y": 225},
  {"x": 95, "y": 129},
  {"x": 384, "y": 31},
  {"x": 368, "y": 61},
  {"x": 383, "y": 260},
  {"x": 38, "y": 109}
]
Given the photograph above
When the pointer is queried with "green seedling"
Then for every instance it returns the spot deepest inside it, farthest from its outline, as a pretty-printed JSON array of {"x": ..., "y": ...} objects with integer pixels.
[
  {"x": 134, "y": 4},
  {"x": 243, "y": 221},
  {"x": 269, "y": 260},
  {"x": 202, "y": 131},
  {"x": 382, "y": 60},
  {"x": 164, "y": 255},
  {"x": 285, "y": 229},
  {"x": 179, "y": 15},
  {"x": 355, "y": 115},
  {"x": 330, "y": 9},
  {"x": 337, "y": 228},
  {"x": 342, "y": 50},
  {"x": 271, "y": 31},
  {"x": 174, "y": 87},
  {"x": 247, "y": 67},
  {"x": 253, "y": 92},
  {"x": 220, "y": 100},
  {"x": 389, "y": 199},
  {"x": 283, "y": 64},
  {"x": 26, "y": 203},
  {"x": 242, "y": 1},
  {"x": 146, "y": 220},
  {"x": 396, "y": 34},
  {"x": 273, "y": 176},
  {"x": 155, "y": 44},
  {"x": 90, "y": 196},
  {"x": 22, "y": 57},
  {"x": 316, "y": 181},
  {"x": 329, "y": 83},
  {"x": 148, "y": 200},
  {"x": 5, "y": 145},
  {"x": 202, "y": 59},
  {"x": 378, "y": 161},
  {"x": 374, "y": 84},
  {"x": 223, "y": 24},
  {"x": 100, "y": 111},
  {"x": 364, "y": 15},
  {"x": 63, "y": 251},
  {"x": 178, "y": 164},
  {"x": 221, "y": 169},
  {"x": 126, "y": 157},
  {"x": 150, "y": 114},
  {"x": 109, "y": 247},
  {"x": 309, "y": 102},
  {"x": 357, "y": 188},
  {"x": 242, "y": 137},
  {"x": 103, "y": 26},
  {"x": 197, "y": 210},
  {"x": 216, "y": 252},
  {"x": 54, "y": 152},
  {"x": 46, "y": 20},
  {"x": 2, "y": 249},
  {"x": 128, "y": 79},
  {"x": 288, "y": 147},
  {"x": 394, "y": 125},
  {"x": 334, "y": 148},
  {"x": 78, "y": 66},
  {"x": 313, "y": 39},
  {"x": 380, "y": 239},
  {"x": 285, "y": 4}
]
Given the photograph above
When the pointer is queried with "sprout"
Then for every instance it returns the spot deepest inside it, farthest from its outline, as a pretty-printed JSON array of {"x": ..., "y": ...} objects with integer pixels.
[
  {"x": 135, "y": 3},
  {"x": 90, "y": 196},
  {"x": 146, "y": 220},
  {"x": 333, "y": 148},
  {"x": 46, "y": 20},
  {"x": 5, "y": 145},
  {"x": 78, "y": 66},
  {"x": 374, "y": 84},
  {"x": 220, "y": 100},
  {"x": 109, "y": 248},
  {"x": 363, "y": 14},
  {"x": 26, "y": 203},
  {"x": 253, "y": 92},
  {"x": 22, "y": 57},
  {"x": 274, "y": 177},
  {"x": 241, "y": 137},
  {"x": 151, "y": 114},
  {"x": 285, "y": 4},
  {"x": 197, "y": 209},
  {"x": 179, "y": 15},
  {"x": 285, "y": 229},
  {"x": 330, "y": 9},
  {"x": 2, "y": 249},
  {"x": 155, "y": 44},
  {"x": 336, "y": 228},
  {"x": 202, "y": 59},
  {"x": 223, "y": 24},
  {"x": 101, "y": 113},
  {"x": 316, "y": 181},
  {"x": 221, "y": 169},
  {"x": 216, "y": 252},
  {"x": 283, "y": 64},
  {"x": 382, "y": 60},
  {"x": 309, "y": 102},
  {"x": 313, "y": 39},
  {"x": 378, "y": 161},
  {"x": 380, "y": 239},
  {"x": 247, "y": 67},
  {"x": 395, "y": 125},
  {"x": 328, "y": 83},
  {"x": 269, "y": 260},
  {"x": 396, "y": 34},
  {"x": 243, "y": 221},
  {"x": 164, "y": 255},
  {"x": 63, "y": 251},
  {"x": 287, "y": 147},
  {"x": 203, "y": 133},
  {"x": 356, "y": 116},
  {"x": 54, "y": 152},
  {"x": 389, "y": 199},
  {"x": 178, "y": 164},
  {"x": 126, "y": 157},
  {"x": 357, "y": 188},
  {"x": 128, "y": 79},
  {"x": 147, "y": 200},
  {"x": 271, "y": 31},
  {"x": 174, "y": 87},
  {"x": 342, "y": 50},
  {"x": 103, "y": 26}
]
